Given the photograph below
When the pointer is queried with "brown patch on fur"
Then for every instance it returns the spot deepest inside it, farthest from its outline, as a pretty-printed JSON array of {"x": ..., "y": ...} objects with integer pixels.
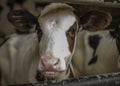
[{"x": 71, "y": 36}]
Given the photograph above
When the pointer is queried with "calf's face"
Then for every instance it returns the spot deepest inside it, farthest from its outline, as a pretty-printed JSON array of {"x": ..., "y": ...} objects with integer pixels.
[{"x": 57, "y": 42}]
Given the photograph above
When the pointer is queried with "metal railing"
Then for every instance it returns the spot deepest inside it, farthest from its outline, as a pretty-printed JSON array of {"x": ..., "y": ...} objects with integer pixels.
[{"x": 112, "y": 79}]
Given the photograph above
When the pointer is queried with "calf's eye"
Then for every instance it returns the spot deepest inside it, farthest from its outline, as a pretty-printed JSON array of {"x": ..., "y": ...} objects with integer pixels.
[
  {"x": 71, "y": 33},
  {"x": 72, "y": 30}
]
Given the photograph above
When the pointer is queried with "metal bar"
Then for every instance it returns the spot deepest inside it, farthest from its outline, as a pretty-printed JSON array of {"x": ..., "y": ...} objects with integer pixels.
[
  {"x": 103, "y": 3},
  {"x": 112, "y": 79}
]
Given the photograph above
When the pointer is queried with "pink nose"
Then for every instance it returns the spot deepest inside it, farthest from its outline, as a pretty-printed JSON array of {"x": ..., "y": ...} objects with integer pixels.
[{"x": 49, "y": 64}]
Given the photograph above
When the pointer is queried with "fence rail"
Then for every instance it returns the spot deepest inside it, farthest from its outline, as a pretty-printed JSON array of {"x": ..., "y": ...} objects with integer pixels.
[
  {"x": 112, "y": 79},
  {"x": 103, "y": 3}
]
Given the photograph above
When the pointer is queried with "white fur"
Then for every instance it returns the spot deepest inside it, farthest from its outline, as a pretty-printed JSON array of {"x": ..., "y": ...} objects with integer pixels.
[{"x": 55, "y": 6}]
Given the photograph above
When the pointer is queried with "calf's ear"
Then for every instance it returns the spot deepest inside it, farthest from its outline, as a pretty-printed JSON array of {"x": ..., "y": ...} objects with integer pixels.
[
  {"x": 96, "y": 20},
  {"x": 22, "y": 20}
]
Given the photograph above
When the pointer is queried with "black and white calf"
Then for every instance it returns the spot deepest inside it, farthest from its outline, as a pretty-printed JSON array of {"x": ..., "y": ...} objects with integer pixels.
[{"x": 96, "y": 53}]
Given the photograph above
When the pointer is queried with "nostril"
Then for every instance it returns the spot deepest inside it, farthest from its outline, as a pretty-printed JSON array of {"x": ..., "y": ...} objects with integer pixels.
[{"x": 57, "y": 62}]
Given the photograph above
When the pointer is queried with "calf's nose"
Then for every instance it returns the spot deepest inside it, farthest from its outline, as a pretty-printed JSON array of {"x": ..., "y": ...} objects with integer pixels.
[{"x": 48, "y": 64}]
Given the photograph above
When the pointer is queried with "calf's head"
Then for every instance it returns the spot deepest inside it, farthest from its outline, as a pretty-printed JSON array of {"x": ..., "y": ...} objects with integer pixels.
[{"x": 58, "y": 25}]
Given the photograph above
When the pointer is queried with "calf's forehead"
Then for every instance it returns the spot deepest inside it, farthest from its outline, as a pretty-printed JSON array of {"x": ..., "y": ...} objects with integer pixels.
[{"x": 61, "y": 20}]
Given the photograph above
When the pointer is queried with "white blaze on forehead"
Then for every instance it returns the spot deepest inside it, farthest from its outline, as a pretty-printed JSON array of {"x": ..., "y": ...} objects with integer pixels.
[{"x": 54, "y": 31}]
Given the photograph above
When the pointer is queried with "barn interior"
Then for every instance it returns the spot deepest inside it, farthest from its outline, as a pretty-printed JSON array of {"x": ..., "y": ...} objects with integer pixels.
[{"x": 81, "y": 6}]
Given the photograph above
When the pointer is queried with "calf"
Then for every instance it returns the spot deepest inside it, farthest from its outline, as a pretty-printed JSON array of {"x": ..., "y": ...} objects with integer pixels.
[{"x": 95, "y": 53}]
